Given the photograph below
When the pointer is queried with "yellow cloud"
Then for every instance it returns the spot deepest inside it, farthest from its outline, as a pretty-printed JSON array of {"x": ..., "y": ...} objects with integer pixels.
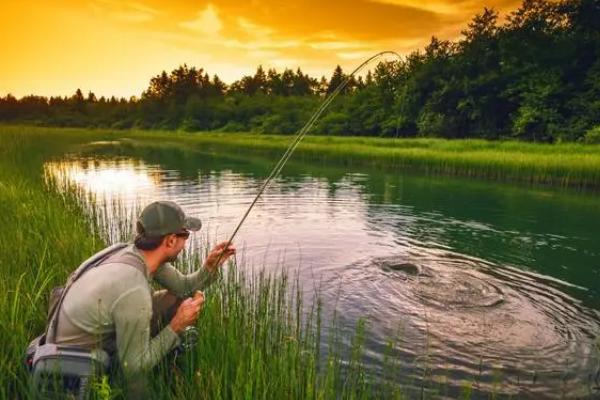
[
  {"x": 207, "y": 22},
  {"x": 438, "y": 7},
  {"x": 460, "y": 8},
  {"x": 355, "y": 55},
  {"x": 133, "y": 16},
  {"x": 124, "y": 11},
  {"x": 337, "y": 45},
  {"x": 253, "y": 29}
]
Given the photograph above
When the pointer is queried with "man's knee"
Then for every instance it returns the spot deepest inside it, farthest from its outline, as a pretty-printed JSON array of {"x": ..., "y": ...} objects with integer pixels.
[{"x": 164, "y": 307}]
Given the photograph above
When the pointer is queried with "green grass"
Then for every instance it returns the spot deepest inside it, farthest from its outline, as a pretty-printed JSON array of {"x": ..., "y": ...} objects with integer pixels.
[
  {"x": 44, "y": 236},
  {"x": 255, "y": 341}
]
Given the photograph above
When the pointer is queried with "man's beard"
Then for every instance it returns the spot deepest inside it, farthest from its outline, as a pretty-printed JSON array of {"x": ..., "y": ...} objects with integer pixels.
[{"x": 172, "y": 259}]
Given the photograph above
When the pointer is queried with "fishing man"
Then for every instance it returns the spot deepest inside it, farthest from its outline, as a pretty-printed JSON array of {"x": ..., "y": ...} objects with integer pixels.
[{"x": 114, "y": 307}]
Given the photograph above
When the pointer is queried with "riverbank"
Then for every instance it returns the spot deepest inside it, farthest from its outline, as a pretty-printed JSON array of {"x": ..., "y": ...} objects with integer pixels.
[
  {"x": 569, "y": 165},
  {"x": 43, "y": 239},
  {"x": 255, "y": 341},
  {"x": 562, "y": 165}
]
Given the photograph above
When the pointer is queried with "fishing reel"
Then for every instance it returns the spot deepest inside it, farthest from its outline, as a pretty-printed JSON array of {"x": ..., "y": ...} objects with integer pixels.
[{"x": 189, "y": 338}]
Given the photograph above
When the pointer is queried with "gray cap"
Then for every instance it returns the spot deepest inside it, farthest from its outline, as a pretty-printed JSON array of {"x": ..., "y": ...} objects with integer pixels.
[{"x": 164, "y": 217}]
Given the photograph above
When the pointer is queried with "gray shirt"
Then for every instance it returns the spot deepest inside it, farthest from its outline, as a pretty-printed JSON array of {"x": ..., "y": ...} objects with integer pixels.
[{"x": 110, "y": 306}]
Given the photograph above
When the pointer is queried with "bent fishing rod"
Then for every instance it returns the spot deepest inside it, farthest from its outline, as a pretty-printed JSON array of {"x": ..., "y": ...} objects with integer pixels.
[{"x": 298, "y": 138}]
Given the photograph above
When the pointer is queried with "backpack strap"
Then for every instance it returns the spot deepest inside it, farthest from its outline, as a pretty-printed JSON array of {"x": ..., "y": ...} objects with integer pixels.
[
  {"x": 91, "y": 262},
  {"x": 129, "y": 258}
]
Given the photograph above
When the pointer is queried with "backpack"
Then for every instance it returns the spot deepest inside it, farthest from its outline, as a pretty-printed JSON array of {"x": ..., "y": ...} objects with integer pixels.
[{"x": 55, "y": 368}]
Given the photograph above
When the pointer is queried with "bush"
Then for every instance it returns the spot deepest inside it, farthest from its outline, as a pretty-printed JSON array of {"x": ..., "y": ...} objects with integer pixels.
[
  {"x": 593, "y": 135},
  {"x": 333, "y": 123},
  {"x": 233, "y": 126},
  {"x": 430, "y": 124}
]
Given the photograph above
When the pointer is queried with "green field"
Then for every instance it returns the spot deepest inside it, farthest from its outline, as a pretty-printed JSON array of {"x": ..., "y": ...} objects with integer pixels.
[{"x": 46, "y": 234}]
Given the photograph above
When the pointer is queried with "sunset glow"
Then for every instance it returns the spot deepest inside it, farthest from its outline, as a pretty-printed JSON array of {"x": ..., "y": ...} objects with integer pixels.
[{"x": 114, "y": 47}]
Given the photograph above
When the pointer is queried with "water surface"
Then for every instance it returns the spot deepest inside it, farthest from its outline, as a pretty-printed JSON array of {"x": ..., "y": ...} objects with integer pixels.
[{"x": 477, "y": 282}]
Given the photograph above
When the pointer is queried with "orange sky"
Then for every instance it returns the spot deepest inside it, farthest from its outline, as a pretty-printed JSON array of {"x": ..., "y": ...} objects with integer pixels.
[{"x": 114, "y": 47}]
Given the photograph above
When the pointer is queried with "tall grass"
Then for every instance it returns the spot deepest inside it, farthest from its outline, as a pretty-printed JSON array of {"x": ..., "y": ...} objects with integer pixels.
[
  {"x": 42, "y": 239},
  {"x": 257, "y": 338}
]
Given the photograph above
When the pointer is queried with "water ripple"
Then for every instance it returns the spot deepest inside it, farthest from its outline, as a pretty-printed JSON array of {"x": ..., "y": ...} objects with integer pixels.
[{"x": 476, "y": 317}]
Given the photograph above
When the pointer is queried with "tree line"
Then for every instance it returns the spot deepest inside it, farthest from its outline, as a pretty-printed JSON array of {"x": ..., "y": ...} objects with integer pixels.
[{"x": 536, "y": 76}]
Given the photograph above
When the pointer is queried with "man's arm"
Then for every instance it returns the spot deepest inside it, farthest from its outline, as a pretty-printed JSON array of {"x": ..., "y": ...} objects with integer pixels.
[
  {"x": 132, "y": 313},
  {"x": 184, "y": 285}
]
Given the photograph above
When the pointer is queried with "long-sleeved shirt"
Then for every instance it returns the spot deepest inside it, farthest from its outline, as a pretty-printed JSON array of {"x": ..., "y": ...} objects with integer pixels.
[{"x": 110, "y": 306}]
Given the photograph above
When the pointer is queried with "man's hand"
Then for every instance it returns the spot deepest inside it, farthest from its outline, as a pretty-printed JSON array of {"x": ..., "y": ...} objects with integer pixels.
[
  {"x": 187, "y": 313},
  {"x": 215, "y": 255}
]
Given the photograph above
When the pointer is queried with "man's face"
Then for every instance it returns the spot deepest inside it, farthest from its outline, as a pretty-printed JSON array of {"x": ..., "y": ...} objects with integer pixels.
[{"x": 174, "y": 244}]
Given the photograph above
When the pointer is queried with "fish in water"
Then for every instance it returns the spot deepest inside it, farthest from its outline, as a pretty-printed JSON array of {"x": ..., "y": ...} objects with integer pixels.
[{"x": 407, "y": 268}]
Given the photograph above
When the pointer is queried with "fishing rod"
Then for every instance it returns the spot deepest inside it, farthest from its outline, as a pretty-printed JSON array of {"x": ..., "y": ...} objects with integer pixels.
[
  {"x": 298, "y": 138},
  {"x": 190, "y": 335}
]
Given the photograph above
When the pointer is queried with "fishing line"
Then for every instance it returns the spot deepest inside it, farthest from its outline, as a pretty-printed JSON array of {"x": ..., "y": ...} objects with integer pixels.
[{"x": 298, "y": 138}]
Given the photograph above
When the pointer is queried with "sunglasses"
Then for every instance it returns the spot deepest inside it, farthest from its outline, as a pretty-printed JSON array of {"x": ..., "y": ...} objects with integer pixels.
[{"x": 184, "y": 234}]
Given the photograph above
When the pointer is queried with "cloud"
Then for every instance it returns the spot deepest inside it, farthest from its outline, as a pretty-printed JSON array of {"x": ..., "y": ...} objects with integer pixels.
[
  {"x": 354, "y": 55},
  {"x": 438, "y": 7},
  {"x": 253, "y": 29},
  {"x": 133, "y": 16},
  {"x": 207, "y": 22},
  {"x": 125, "y": 11},
  {"x": 264, "y": 54},
  {"x": 337, "y": 45},
  {"x": 121, "y": 43},
  {"x": 460, "y": 8}
]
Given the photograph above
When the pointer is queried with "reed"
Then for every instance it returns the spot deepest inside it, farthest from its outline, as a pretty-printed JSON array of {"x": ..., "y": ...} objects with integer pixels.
[{"x": 258, "y": 337}]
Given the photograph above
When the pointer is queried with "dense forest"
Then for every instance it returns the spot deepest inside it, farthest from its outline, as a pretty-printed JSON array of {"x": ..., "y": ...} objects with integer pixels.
[{"x": 535, "y": 76}]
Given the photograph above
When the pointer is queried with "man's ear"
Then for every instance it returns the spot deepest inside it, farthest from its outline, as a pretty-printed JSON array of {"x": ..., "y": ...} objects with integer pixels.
[{"x": 169, "y": 241}]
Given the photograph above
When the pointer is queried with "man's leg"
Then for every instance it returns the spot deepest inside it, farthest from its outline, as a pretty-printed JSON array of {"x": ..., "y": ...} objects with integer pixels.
[{"x": 164, "y": 307}]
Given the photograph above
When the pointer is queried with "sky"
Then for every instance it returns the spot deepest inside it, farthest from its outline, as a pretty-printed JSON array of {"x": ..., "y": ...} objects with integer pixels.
[{"x": 114, "y": 47}]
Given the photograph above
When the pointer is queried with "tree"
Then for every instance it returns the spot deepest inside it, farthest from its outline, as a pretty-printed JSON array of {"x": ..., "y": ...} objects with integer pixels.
[
  {"x": 336, "y": 79},
  {"x": 260, "y": 80},
  {"x": 533, "y": 77}
]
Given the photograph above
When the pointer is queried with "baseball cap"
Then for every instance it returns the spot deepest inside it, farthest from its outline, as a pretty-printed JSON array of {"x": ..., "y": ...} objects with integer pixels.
[{"x": 164, "y": 217}]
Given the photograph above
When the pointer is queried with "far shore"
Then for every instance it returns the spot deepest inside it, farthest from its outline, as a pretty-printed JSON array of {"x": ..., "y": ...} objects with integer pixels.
[{"x": 572, "y": 165}]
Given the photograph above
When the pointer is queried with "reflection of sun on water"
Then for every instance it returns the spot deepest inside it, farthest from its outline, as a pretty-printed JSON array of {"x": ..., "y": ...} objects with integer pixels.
[
  {"x": 112, "y": 190},
  {"x": 123, "y": 181},
  {"x": 105, "y": 179}
]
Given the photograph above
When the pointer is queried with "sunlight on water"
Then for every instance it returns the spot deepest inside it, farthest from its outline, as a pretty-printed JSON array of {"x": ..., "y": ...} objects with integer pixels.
[{"x": 109, "y": 180}]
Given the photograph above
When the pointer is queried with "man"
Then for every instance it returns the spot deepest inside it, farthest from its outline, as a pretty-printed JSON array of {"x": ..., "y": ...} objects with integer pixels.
[{"x": 114, "y": 307}]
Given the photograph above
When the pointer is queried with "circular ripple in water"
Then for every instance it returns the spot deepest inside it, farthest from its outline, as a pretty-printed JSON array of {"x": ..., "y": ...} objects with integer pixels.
[
  {"x": 459, "y": 290},
  {"x": 473, "y": 319}
]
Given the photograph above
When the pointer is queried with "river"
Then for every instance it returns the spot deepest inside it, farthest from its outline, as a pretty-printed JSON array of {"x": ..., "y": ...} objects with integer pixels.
[{"x": 482, "y": 282}]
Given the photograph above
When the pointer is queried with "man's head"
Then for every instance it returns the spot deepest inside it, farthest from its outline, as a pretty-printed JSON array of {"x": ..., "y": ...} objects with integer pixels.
[{"x": 163, "y": 227}]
